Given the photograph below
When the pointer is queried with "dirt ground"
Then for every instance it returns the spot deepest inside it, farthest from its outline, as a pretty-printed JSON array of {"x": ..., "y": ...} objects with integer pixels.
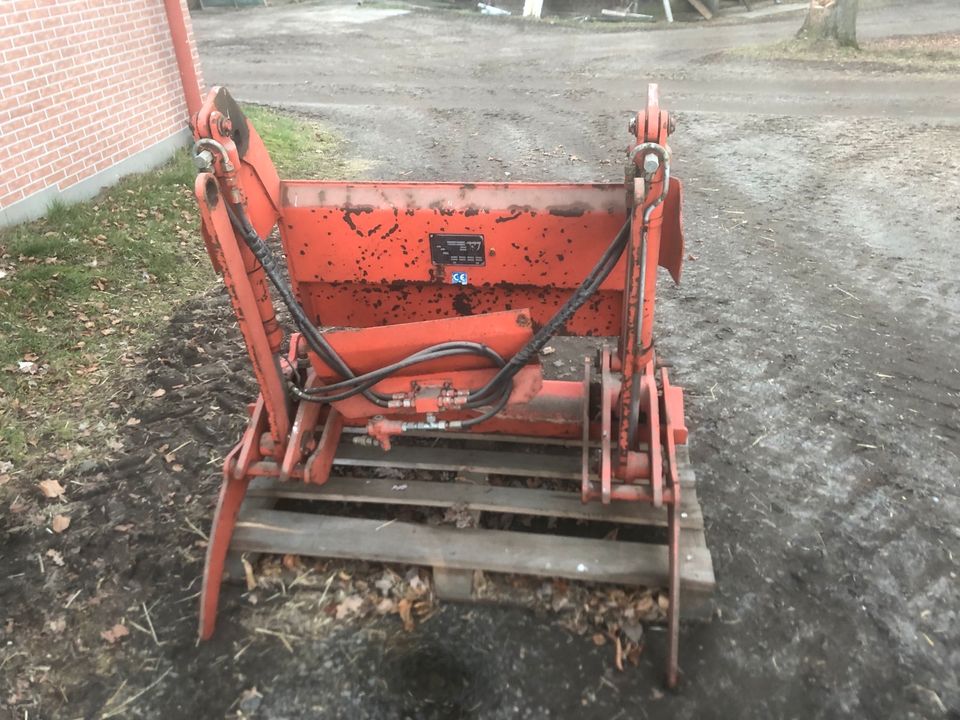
[{"x": 815, "y": 332}]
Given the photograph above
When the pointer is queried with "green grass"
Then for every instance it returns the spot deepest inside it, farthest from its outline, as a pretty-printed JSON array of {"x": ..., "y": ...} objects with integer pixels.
[
  {"x": 301, "y": 149},
  {"x": 87, "y": 287}
]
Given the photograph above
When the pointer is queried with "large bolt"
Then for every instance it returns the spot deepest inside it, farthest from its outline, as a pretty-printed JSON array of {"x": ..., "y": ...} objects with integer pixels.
[
  {"x": 203, "y": 160},
  {"x": 651, "y": 163}
]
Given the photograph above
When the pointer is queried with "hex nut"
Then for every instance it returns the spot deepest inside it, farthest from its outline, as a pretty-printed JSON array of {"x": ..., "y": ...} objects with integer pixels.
[{"x": 651, "y": 163}]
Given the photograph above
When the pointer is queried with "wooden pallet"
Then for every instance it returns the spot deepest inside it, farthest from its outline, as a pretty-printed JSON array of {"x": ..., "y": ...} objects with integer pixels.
[{"x": 455, "y": 554}]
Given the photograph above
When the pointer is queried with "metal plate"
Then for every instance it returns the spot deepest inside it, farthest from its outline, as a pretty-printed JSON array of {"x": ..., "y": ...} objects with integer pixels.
[{"x": 457, "y": 249}]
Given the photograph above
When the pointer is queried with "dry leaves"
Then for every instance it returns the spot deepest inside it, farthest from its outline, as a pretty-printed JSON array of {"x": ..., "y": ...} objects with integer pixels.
[
  {"x": 404, "y": 608},
  {"x": 55, "y": 557},
  {"x": 606, "y": 615},
  {"x": 248, "y": 574},
  {"x": 158, "y": 393},
  {"x": 115, "y": 633},
  {"x": 290, "y": 562},
  {"x": 461, "y": 516},
  {"x": 350, "y": 606},
  {"x": 51, "y": 488},
  {"x": 60, "y": 523},
  {"x": 363, "y": 592}
]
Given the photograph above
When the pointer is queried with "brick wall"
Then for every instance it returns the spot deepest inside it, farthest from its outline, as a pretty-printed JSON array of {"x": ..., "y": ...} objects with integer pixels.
[{"x": 84, "y": 84}]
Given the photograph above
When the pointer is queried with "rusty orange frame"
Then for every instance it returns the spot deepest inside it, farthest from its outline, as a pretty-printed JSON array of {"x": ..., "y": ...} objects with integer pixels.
[{"x": 360, "y": 257}]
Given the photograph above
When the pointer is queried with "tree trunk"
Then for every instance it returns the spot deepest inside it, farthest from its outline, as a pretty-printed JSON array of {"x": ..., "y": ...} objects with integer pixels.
[{"x": 833, "y": 20}]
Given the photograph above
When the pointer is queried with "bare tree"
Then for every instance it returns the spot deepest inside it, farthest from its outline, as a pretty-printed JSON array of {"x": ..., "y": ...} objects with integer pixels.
[{"x": 833, "y": 20}]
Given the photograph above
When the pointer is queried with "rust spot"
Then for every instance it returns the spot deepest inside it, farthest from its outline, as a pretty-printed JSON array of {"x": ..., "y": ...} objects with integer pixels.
[
  {"x": 577, "y": 209},
  {"x": 461, "y": 304},
  {"x": 351, "y": 210},
  {"x": 440, "y": 207}
]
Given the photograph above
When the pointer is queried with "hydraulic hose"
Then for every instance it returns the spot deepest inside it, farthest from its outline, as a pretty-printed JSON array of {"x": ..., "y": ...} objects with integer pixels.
[
  {"x": 587, "y": 288},
  {"x": 318, "y": 343},
  {"x": 363, "y": 382},
  {"x": 499, "y": 386}
]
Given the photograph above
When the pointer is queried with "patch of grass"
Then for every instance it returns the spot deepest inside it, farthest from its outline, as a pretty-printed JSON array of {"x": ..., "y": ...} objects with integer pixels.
[
  {"x": 301, "y": 149},
  {"x": 86, "y": 288},
  {"x": 916, "y": 53}
]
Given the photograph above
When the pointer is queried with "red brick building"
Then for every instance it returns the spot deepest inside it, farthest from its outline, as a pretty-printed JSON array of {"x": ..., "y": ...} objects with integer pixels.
[{"x": 89, "y": 91}]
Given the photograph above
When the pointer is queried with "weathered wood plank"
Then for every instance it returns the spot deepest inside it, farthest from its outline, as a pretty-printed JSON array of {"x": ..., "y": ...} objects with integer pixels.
[
  {"x": 484, "y": 498},
  {"x": 701, "y": 8},
  {"x": 233, "y": 565},
  {"x": 583, "y": 559},
  {"x": 455, "y": 585}
]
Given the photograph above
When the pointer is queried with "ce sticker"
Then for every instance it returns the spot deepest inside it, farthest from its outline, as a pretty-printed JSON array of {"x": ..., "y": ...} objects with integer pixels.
[{"x": 459, "y": 278}]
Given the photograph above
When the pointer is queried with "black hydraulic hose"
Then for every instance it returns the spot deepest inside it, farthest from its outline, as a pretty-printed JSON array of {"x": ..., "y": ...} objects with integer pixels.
[
  {"x": 363, "y": 382},
  {"x": 319, "y": 344},
  {"x": 500, "y": 405},
  {"x": 587, "y": 288},
  {"x": 263, "y": 253},
  {"x": 354, "y": 384},
  {"x": 429, "y": 353}
]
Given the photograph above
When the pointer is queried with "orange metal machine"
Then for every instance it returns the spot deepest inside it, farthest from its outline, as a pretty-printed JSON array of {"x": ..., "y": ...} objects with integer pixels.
[{"x": 423, "y": 307}]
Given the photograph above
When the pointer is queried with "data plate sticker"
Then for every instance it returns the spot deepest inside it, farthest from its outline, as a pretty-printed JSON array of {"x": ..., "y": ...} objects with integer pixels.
[{"x": 454, "y": 249}]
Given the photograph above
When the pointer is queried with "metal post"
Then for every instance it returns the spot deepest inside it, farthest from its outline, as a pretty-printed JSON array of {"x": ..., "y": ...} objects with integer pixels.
[
  {"x": 181, "y": 48},
  {"x": 668, "y": 10}
]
